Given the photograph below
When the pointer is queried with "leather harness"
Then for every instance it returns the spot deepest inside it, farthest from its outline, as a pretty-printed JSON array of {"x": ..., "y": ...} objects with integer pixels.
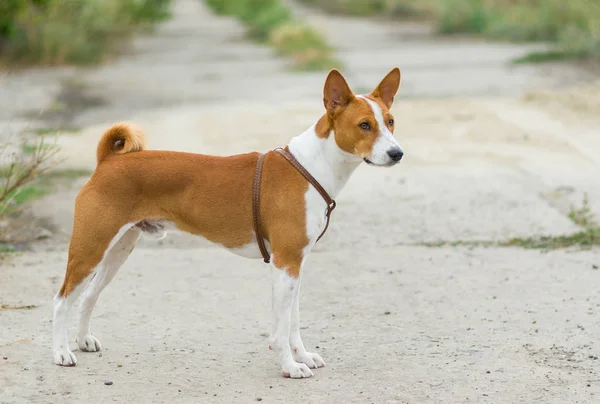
[{"x": 256, "y": 196}]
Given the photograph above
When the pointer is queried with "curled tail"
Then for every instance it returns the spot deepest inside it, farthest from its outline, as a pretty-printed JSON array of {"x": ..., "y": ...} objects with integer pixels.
[{"x": 120, "y": 138}]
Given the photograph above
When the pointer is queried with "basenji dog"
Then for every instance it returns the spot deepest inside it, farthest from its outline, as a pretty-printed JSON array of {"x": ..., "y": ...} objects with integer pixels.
[{"x": 134, "y": 191}]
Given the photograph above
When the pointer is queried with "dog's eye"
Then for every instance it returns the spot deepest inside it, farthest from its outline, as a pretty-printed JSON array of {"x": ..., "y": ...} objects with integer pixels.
[
  {"x": 391, "y": 122},
  {"x": 365, "y": 126}
]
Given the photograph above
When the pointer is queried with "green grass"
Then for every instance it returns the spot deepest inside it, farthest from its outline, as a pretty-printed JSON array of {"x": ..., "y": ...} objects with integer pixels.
[
  {"x": 581, "y": 216},
  {"x": 21, "y": 179},
  {"x": 28, "y": 193},
  {"x": 55, "y": 32},
  {"x": 41, "y": 186},
  {"x": 44, "y": 131},
  {"x": 68, "y": 174},
  {"x": 52, "y": 177},
  {"x": 304, "y": 45},
  {"x": 44, "y": 185},
  {"x": 389, "y": 8},
  {"x": 6, "y": 251},
  {"x": 586, "y": 238},
  {"x": 548, "y": 56},
  {"x": 17, "y": 307},
  {"x": 28, "y": 175},
  {"x": 572, "y": 26},
  {"x": 20, "y": 196},
  {"x": 52, "y": 131},
  {"x": 31, "y": 148},
  {"x": 271, "y": 21},
  {"x": 260, "y": 16}
]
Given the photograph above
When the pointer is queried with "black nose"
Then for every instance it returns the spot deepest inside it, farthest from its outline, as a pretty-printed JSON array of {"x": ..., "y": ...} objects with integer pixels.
[{"x": 395, "y": 154}]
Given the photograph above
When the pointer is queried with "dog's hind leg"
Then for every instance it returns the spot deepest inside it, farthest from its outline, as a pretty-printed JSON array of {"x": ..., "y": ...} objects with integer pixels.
[
  {"x": 89, "y": 244},
  {"x": 60, "y": 339},
  {"x": 113, "y": 260}
]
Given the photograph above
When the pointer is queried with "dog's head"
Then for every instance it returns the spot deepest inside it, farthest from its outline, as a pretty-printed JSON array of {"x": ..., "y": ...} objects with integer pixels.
[{"x": 362, "y": 124}]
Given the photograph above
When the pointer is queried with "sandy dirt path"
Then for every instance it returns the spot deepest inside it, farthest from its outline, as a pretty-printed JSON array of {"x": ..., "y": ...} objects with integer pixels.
[{"x": 395, "y": 321}]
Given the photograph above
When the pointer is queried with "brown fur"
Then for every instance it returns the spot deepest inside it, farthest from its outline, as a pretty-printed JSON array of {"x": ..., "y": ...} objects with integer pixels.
[
  {"x": 387, "y": 88},
  {"x": 204, "y": 195},
  {"x": 210, "y": 195},
  {"x": 283, "y": 212},
  {"x": 119, "y": 139},
  {"x": 345, "y": 112}
]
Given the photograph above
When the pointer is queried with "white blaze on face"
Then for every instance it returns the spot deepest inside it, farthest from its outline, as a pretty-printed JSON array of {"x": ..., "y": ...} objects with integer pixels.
[{"x": 385, "y": 139}]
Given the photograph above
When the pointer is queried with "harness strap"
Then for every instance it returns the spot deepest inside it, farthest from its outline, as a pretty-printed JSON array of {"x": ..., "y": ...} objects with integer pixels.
[
  {"x": 256, "y": 197},
  {"x": 256, "y": 208}
]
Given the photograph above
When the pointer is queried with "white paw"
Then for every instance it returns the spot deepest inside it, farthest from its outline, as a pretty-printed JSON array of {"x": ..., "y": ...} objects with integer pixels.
[
  {"x": 64, "y": 357},
  {"x": 89, "y": 343},
  {"x": 312, "y": 360},
  {"x": 296, "y": 370}
]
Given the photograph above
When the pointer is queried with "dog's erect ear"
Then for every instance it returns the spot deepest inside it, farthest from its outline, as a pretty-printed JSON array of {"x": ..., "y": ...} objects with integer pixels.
[
  {"x": 387, "y": 89},
  {"x": 336, "y": 92}
]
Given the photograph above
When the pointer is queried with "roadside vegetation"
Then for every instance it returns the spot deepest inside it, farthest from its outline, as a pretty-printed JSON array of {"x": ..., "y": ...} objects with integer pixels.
[
  {"x": 29, "y": 169},
  {"x": 56, "y": 32},
  {"x": 271, "y": 22},
  {"x": 582, "y": 216},
  {"x": 21, "y": 179},
  {"x": 573, "y": 26},
  {"x": 587, "y": 237},
  {"x": 18, "y": 176},
  {"x": 389, "y": 8}
]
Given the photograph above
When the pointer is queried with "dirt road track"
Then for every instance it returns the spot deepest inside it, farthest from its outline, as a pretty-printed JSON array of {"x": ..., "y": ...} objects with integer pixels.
[{"x": 395, "y": 322}]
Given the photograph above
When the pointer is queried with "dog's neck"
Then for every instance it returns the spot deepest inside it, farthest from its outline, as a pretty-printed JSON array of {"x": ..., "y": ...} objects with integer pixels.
[{"x": 322, "y": 157}]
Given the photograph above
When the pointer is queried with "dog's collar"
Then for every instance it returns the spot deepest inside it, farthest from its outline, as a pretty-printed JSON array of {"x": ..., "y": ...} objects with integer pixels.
[{"x": 256, "y": 196}]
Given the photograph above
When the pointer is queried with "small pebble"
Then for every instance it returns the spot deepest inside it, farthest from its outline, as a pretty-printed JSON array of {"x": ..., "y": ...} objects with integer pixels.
[
  {"x": 5, "y": 358},
  {"x": 108, "y": 383},
  {"x": 387, "y": 312},
  {"x": 258, "y": 399},
  {"x": 119, "y": 366}
]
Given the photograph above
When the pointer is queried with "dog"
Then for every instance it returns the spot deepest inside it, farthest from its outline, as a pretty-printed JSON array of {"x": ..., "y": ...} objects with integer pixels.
[{"x": 134, "y": 191}]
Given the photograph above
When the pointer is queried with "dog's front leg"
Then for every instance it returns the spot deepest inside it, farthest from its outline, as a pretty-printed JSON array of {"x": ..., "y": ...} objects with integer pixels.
[
  {"x": 312, "y": 360},
  {"x": 285, "y": 287}
]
